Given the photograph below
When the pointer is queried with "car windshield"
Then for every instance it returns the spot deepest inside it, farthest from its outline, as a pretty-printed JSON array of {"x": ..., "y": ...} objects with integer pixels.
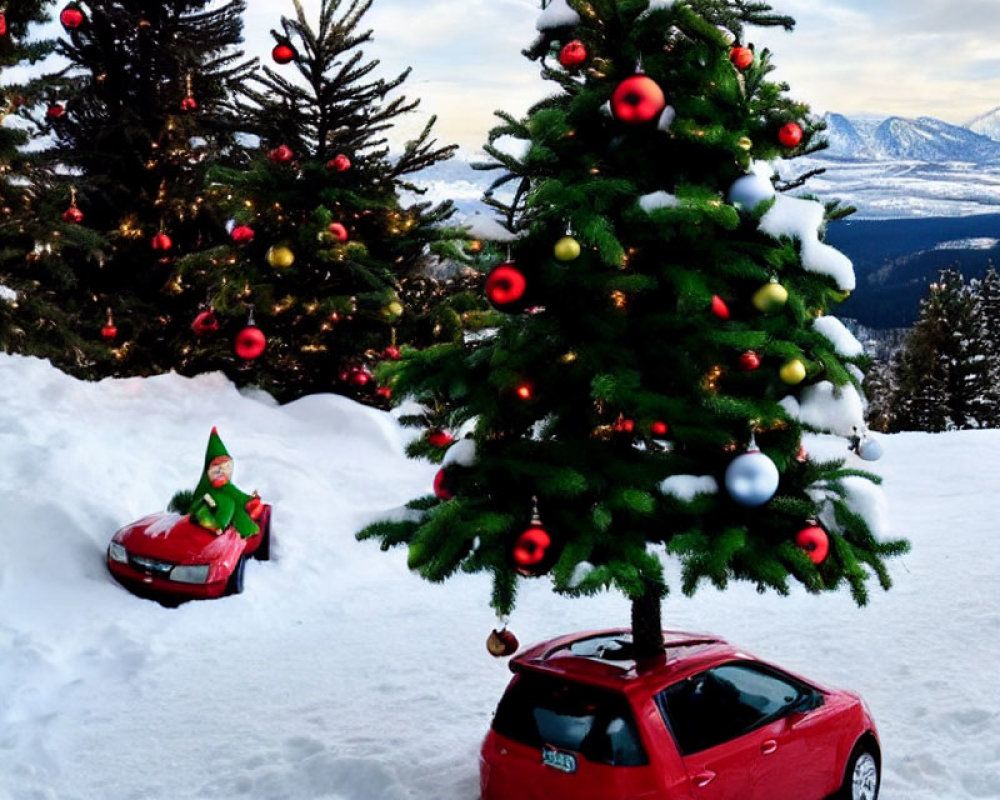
[{"x": 538, "y": 710}]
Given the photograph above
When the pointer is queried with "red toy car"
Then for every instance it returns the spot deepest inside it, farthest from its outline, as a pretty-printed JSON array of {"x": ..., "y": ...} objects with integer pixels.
[
  {"x": 166, "y": 554},
  {"x": 579, "y": 721}
]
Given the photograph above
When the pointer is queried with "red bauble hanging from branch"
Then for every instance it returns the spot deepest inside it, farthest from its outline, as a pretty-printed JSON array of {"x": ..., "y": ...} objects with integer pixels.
[
  {"x": 637, "y": 100},
  {"x": 3, "y": 24},
  {"x": 250, "y": 342},
  {"x": 506, "y": 287},
  {"x": 443, "y": 489},
  {"x": 790, "y": 135},
  {"x": 719, "y": 307},
  {"x": 189, "y": 104},
  {"x": 532, "y": 551},
  {"x": 339, "y": 231},
  {"x": 742, "y": 57},
  {"x": 55, "y": 110},
  {"x": 71, "y": 17},
  {"x": 814, "y": 540},
  {"x": 502, "y": 643},
  {"x": 339, "y": 163},
  {"x": 573, "y": 54},
  {"x": 284, "y": 53},
  {"x": 242, "y": 234},
  {"x": 205, "y": 323},
  {"x": 282, "y": 154},
  {"x": 109, "y": 331},
  {"x": 161, "y": 241},
  {"x": 72, "y": 215}
]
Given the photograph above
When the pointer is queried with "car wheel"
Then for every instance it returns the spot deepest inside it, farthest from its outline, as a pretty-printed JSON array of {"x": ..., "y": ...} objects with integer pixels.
[
  {"x": 861, "y": 778},
  {"x": 235, "y": 583}
]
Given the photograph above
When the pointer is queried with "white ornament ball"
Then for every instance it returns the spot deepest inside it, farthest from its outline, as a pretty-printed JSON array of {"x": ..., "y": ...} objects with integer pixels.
[
  {"x": 870, "y": 450},
  {"x": 752, "y": 479},
  {"x": 750, "y": 191}
]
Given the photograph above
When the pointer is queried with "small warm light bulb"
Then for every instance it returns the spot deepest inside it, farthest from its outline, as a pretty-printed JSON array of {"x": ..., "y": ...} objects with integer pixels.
[{"x": 525, "y": 390}]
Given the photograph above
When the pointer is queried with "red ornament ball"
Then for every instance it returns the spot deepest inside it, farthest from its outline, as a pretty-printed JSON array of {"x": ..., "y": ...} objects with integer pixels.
[
  {"x": 189, "y": 104},
  {"x": 749, "y": 361},
  {"x": 442, "y": 489},
  {"x": 815, "y": 542},
  {"x": 573, "y": 54},
  {"x": 282, "y": 154},
  {"x": 719, "y": 307},
  {"x": 250, "y": 343},
  {"x": 3, "y": 24},
  {"x": 284, "y": 53},
  {"x": 161, "y": 242},
  {"x": 73, "y": 215},
  {"x": 205, "y": 323},
  {"x": 531, "y": 548},
  {"x": 440, "y": 438},
  {"x": 55, "y": 110},
  {"x": 383, "y": 391},
  {"x": 340, "y": 163},
  {"x": 790, "y": 135},
  {"x": 392, "y": 353},
  {"x": 361, "y": 377},
  {"x": 109, "y": 332},
  {"x": 505, "y": 287},
  {"x": 71, "y": 17},
  {"x": 659, "y": 428},
  {"x": 339, "y": 231},
  {"x": 637, "y": 100},
  {"x": 502, "y": 643},
  {"x": 742, "y": 57},
  {"x": 242, "y": 234},
  {"x": 623, "y": 425}
]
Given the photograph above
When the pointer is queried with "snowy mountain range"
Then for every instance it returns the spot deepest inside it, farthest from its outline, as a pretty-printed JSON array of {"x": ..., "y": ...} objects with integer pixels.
[{"x": 922, "y": 139}]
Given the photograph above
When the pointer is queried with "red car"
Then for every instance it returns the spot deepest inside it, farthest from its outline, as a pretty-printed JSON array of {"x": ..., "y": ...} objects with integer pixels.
[
  {"x": 579, "y": 721},
  {"x": 166, "y": 554}
]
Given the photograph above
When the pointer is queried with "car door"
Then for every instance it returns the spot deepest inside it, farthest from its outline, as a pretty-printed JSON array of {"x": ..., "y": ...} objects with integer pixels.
[{"x": 725, "y": 721}]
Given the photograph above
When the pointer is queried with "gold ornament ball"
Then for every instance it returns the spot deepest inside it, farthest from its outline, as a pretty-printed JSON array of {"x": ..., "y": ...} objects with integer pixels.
[
  {"x": 770, "y": 297},
  {"x": 745, "y": 143},
  {"x": 793, "y": 372},
  {"x": 280, "y": 257},
  {"x": 567, "y": 249},
  {"x": 392, "y": 311}
]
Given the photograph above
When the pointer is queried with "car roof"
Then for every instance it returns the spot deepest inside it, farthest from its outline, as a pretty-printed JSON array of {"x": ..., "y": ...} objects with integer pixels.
[{"x": 605, "y": 658}]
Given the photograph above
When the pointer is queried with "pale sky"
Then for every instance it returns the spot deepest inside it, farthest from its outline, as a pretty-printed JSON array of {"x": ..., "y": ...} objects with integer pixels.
[{"x": 910, "y": 58}]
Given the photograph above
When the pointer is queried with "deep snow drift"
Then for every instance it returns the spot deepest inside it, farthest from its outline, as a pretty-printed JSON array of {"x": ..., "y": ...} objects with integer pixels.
[{"x": 338, "y": 675}]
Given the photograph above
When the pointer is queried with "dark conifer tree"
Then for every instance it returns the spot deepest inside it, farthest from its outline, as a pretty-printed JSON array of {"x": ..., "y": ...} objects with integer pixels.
[
  {"x": 323, "y": 235},
  {"x": 135, "y": 119},
  {"x": 661, "y": 324}
]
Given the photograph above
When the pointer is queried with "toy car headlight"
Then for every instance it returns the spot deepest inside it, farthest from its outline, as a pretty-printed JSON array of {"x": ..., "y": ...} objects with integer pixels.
[
  {"x": 117, "y": 552},
  {"x": 197, "y": 573}
]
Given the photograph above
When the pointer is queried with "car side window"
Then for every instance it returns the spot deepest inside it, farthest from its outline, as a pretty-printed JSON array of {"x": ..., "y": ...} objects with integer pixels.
[{"x": 723, "y": 703}]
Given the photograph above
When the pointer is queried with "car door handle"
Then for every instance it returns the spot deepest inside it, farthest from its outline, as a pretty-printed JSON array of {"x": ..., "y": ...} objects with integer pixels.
[
  {"x": 769, "y": 747},
  {"x": 702, "y": 779}
]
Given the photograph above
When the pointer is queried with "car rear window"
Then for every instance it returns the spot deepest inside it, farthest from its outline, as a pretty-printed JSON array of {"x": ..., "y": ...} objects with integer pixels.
[{"x": 539, "y": 710}]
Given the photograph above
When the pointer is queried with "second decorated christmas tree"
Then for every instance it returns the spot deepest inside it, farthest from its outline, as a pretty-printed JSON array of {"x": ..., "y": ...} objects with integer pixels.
[{"x": 666, "y": 346}]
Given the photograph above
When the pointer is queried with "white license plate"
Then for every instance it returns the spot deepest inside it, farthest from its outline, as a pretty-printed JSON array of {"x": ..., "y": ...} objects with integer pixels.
[{"x": 557, "y": 759}]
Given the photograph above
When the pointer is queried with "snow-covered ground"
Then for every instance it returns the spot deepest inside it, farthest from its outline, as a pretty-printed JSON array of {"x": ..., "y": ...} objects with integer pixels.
[{"x": 338, "y": 675}]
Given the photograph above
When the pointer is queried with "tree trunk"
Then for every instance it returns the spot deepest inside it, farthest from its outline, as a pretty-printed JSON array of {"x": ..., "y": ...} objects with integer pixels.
[{"x": 647, "y": 628}]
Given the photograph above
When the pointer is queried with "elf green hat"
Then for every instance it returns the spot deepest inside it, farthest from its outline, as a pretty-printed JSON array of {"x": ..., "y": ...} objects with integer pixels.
[{"x": 215, "y": 448}]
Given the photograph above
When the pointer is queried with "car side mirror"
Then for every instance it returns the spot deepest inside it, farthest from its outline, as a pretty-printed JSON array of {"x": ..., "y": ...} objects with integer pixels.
[{"x": 809, "y": 701}]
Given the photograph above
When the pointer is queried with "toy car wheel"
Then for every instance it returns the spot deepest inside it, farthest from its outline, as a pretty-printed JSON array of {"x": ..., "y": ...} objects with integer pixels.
[
  {"x": 263, "y": 551},
  {"x": 235, "y": 583},
  {"x": 861, "y": 778}
]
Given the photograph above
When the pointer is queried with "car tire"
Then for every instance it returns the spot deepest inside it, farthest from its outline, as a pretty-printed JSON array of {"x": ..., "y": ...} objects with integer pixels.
[
  {"x": 235, "y": 583},
  {"x": 862, "y": 776}
]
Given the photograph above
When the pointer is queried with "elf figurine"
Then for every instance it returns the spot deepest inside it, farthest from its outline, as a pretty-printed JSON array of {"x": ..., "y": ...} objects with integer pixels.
[{"x": 217, "y": 503}]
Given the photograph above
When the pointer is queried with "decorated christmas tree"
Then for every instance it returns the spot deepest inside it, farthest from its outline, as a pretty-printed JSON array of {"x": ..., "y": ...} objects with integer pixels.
[
  {"x": 134, "y": 119},
  {"x": 666, "y": 382},
  {"x": 321, "y": 238},
  {"x": 19, "y": 305}
]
